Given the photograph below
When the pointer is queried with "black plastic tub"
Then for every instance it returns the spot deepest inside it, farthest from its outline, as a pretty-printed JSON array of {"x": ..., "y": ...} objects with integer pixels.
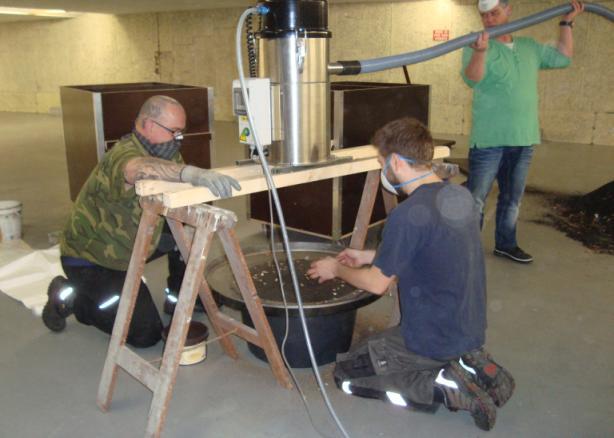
[{"x": 330, "y": 308}]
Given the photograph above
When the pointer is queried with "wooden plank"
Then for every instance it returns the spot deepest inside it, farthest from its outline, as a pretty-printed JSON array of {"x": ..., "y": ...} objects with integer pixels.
[
  {"x": 197, "y": 195},
  {"x": 136, "y": 366},
  {"x": 241, "y": 330},
  {"x": 363, "y": 217},
  {"x": 126, "y": 306},
  {"x": 239, "y": 268},
  {"x": 252, "y": 180},
  {"x": 364, "y": 159},
  {"x": 195, "y": 215},
  {"x": 390, "y": 200},
  {"x": 195, "y": 266},
  {"x": 369, "y": 151},
  {"x": 206, "y": 296}
]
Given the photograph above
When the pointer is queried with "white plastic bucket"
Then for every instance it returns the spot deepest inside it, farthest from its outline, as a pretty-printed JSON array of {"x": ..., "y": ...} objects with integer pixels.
[{"x": 10, "y": 220}]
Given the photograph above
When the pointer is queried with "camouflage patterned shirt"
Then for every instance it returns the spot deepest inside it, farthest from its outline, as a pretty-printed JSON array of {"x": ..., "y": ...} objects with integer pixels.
[{"x": 105, "y": 217}]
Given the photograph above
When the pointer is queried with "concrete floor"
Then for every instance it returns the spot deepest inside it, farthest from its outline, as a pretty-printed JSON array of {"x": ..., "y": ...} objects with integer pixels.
[{"x": 550, "y": 323}]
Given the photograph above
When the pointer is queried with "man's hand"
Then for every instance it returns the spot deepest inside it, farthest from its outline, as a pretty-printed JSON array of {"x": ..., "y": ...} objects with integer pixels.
[
  {"x": 476, "y": 68},
  {"x": 481, "y": 45},
  {"x": 323, "y": 270},
  {"x": 355, "y": 258},
  {"x": 565, "y": 34},
  {"x": 578, "y": 8},
  {"x": 220, "y": 185}
]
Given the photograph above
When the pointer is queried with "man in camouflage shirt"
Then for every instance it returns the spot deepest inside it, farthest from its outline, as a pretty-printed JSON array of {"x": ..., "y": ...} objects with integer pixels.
[{"x": 97, "y": 241}]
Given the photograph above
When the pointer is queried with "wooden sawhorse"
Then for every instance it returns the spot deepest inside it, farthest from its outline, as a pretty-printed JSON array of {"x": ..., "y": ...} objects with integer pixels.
[{"x": 194, "y": 246}]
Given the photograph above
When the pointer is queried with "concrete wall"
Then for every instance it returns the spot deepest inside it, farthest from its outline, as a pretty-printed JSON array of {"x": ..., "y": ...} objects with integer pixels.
[
  {"x": 37, "y": 57},
  {"x": 577, "y": 104}
]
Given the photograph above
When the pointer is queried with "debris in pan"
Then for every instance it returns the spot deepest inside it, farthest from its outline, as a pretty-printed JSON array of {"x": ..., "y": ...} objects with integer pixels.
[{"x": 587, "y": 218}]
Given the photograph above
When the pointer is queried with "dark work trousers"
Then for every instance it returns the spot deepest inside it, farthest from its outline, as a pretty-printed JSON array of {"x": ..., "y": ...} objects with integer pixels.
[
  {"x": 95, "y": 285},
  {"x": 383, "y": 363}
]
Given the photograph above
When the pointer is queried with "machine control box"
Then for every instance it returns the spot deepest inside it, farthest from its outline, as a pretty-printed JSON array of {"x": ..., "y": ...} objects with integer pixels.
[{"x": 259, "y": 95}]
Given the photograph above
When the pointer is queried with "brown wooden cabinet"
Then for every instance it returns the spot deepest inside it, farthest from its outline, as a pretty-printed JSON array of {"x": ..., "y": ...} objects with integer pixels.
[{"x": 95, "y": 117}]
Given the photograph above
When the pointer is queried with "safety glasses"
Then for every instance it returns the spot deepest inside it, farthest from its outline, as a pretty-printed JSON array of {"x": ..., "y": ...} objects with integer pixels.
[{"x": 177, "y": 134}]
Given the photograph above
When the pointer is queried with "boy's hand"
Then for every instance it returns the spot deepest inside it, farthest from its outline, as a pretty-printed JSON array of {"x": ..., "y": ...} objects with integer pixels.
[{"x": 323, "y": 270}]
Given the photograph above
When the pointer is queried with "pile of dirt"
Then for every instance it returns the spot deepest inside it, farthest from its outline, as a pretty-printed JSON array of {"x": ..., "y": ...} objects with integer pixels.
[
  {"x": 267, "y": 283},
  {"x": 587, "y": 218}
]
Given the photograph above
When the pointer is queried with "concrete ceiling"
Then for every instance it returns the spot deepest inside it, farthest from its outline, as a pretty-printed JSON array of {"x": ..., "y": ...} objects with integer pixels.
[{"x": 136, "y": 6}]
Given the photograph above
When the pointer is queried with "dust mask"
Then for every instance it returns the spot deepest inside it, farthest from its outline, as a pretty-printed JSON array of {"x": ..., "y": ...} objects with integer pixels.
[{"x": 393, "y": 188}]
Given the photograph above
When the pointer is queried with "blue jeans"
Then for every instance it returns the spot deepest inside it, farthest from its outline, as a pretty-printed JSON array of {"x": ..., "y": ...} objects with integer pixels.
[{"x": 509, "y": 165}]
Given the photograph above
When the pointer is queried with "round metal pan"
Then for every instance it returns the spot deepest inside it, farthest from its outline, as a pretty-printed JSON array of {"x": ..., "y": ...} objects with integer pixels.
[{"x": 318, "y": 299}]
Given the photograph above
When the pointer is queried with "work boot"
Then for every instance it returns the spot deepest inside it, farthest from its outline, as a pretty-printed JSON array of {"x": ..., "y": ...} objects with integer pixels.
[
  {"x": 461, "y": 392},
  {"x": 496, "y": 380},
  {"x": 60, "y": 299}
]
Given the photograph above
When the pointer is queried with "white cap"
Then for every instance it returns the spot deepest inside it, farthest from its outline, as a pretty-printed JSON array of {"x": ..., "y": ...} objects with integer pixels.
[{"x": 487, "y": 5}]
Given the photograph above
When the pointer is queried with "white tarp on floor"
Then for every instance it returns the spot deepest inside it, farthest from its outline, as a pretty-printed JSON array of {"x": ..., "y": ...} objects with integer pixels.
[{"x": 25, "y": 273}]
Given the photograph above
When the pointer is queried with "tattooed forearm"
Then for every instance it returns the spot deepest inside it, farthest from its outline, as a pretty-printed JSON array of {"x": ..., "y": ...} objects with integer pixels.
[{"x": 152, "y": 168}]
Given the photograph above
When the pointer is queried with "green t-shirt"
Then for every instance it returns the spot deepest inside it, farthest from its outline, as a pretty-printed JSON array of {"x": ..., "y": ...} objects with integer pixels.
[
  {"x": 505, "y": 101},
  {"x": 105, "y": 217}
]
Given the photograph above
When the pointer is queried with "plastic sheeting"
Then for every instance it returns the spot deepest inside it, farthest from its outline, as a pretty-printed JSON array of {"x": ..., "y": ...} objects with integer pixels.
[{"x": 25, "y": 273}]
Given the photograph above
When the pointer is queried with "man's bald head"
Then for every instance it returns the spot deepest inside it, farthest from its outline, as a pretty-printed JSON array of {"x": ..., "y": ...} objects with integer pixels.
[
  {"x": 159, "y": 117},
  {"x": 155, "y": 106}
]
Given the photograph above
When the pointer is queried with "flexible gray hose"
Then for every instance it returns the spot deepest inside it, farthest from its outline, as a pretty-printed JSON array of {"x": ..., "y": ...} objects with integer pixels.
[
  {"x": 388, "y": 62},
  {"x": 282, "y": 222}
]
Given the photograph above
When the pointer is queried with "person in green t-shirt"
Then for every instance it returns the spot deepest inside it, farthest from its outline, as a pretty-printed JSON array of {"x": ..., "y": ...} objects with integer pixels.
[
  {"x": 503, "y": 74},
  {"x": 97, "y": 241}
]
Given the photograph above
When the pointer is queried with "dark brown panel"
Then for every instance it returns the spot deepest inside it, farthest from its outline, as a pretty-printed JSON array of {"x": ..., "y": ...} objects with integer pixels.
[
  {"x": 306, "y": 207},
  {"x": 364, "y": 112},
  {"x": 196, "y": 150},
  {"x": 367, "y": 110},
  {"x": 79, "y": 137},
  {"x": 137, "y": 86},
  {"x": 121, "y": 108}
]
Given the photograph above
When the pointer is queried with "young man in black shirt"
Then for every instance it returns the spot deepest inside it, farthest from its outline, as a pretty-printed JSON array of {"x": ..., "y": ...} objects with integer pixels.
[{"x": 431, "y": 248}]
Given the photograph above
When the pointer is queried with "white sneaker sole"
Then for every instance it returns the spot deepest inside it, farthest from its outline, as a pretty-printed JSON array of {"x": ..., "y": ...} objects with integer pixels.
[{"x": 500, "y": 253}]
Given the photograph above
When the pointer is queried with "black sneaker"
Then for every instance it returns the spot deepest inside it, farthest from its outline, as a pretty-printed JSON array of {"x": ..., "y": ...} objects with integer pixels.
[
  {"x": 461, "y": 392},
  {"x": 515, "y": 254},
  {"x": 59, "y": 304},
  {"x": 496, "y": 380}
]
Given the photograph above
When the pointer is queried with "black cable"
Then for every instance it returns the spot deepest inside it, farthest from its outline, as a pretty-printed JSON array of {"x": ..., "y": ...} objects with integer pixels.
[{"x": 251, "y": 47}]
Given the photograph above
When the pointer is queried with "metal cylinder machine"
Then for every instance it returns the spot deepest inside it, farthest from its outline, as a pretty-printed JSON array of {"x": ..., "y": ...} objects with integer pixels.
[{"x": 293, "y": 55}]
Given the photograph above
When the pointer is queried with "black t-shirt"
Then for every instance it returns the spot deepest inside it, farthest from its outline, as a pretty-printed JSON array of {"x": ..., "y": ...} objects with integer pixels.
[{"x": 431, "y": 242}]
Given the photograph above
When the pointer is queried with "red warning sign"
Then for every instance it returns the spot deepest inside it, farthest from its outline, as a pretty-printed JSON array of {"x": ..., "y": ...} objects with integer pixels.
[{"x": 441, "y": 34}]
